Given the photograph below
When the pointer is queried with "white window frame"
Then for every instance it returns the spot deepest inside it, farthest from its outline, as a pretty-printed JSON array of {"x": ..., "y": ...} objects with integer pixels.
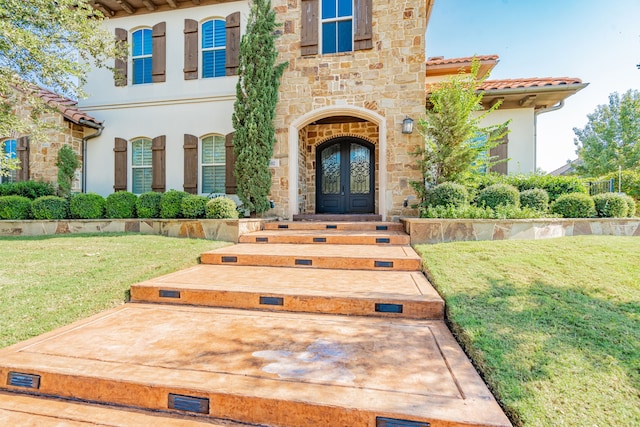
[
  {"x": 202, "y": 50},
  {"x": 134, "y": 167},
  {"x": 133, "y": 58},
  {"x": 336, "y": 20},
  {"x": 12, "y": 173},
  {"x": 202, "y": 164}
]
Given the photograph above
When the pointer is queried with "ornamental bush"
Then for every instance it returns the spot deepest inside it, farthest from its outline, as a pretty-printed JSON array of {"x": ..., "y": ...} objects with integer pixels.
[
  {"x": 29, "y": 189},
  {"x": 148, "y": 205},
  {"x": 171, "y": 204},
  {"x": 574, "y": 205},
  {"x": 222, "y": 208},
  {"x": 448, "y": 193},
  {"x": 499, "y": 195},
  {"x": 610, "y": 205},
  {"x": 631, "y": 205},
  {"x": 15, "y": 207},
  {"x": 121, "y": 204},
  {"x": 194, "y": 206},
  {"x": 50, "y": 207},
  {"x": 86, "y": 206},
  {"x": 536, "y": 198},
  {"x": 555, "y": 186}
]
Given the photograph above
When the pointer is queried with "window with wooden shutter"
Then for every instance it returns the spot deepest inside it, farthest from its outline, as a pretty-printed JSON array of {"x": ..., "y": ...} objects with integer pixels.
[
  {"x": 214, "y": 42},
  {"x": 232, "y": 26},
  {"x": 158, "y": 164},
  {"x": 10, "y": 151},
  {"x": 190, "y": 49},
  {"x": 120, "y": 165},
  {"x": 213, "y": 164},
  {"x": 120, "y": 74},
  {"x": 309, "y": 30},
  {"x": 501, "y": 152},
  {"x": 363, "y": 32},
  {"x": 141, "y": 165},
  {"x": 23, "y": 149},
  {"x": 142, "y": 56},
  {"x": 159, "y": 61},
  {"x": 190, "y": 164},
  {"x": 230, "y": 162}
]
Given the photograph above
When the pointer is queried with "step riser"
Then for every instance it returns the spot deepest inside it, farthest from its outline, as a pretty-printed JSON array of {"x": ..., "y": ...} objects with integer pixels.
[
  {"x": 328, "y": 240},
  {"x": 348, "y": 226},
  {"x": 307, "y": 304},
  {"x": 312, "y": 262}
]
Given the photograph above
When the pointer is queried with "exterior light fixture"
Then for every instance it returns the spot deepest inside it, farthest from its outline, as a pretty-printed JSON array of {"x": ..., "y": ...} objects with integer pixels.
[{"x": 407, "y": 125}]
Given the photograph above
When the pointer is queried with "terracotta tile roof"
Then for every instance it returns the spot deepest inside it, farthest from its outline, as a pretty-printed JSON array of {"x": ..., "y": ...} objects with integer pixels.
[
  {"x": 528, "y": 83},
  {"x": 440, "y": 60},
  {"x": 65, "y": 105}
]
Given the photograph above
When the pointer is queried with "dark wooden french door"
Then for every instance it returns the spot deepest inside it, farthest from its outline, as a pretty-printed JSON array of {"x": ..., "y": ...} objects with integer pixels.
[{"x": 345, "y": 176}]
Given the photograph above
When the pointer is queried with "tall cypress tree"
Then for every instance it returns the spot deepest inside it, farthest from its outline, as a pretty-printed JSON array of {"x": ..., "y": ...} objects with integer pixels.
[{"x": 255, "y": 107}]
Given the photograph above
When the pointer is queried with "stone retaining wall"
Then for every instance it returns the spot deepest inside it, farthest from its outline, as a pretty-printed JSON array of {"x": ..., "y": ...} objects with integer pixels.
[
  {"x": 213, "y": 229},
  {"x": 454, "y": 230}
]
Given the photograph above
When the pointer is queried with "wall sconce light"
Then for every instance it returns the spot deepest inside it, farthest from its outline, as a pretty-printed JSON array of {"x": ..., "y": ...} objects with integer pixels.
[{"x": 407, "y": 125}]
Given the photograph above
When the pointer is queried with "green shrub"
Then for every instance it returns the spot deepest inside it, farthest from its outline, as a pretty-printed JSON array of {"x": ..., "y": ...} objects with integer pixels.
[
  {"x": 222, "y": 208},
  {"x": 514, "y": 212},
  {"x": 610, "y": 205},
  {"x": 448, "y": 193},
  {"x": 631, "y": 205},
  {"x": 555, "y": 186},
  {"x": 50, "y": 207},
  {"x": 29, "y": 189},
  {"x": 194, "y": 206},
  {"x": 450, "y": 211},
  {"x": 15, "y": 207},
  {"x": 86, "y": 206},
  {"x": 536, "y": 198},
  {"x": 499, "y": 194},
  {"x": 121, "y": 204},
  {"x": 574, "y": 205},
  {"x": 148, "y": 205},
  {"x": 171, "y": 204}
]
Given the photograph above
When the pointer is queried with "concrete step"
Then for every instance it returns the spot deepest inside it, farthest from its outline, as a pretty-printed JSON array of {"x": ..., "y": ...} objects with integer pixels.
[
  {"x": 276, "y": 369},
  {"x": 393, "y": 294},
  {"x": 339, "y": 237},
  {"x": 335, "y": 225},
  {"x": 348, "y": 257},
  {"x": 338, "y": 217}
]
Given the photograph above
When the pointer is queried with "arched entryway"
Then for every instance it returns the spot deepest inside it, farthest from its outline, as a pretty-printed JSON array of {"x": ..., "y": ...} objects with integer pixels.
[{"x": 345, "y": 176}]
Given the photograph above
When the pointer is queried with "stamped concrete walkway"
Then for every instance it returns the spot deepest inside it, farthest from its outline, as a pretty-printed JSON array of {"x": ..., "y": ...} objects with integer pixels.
[{"x": 351, "y": 336}]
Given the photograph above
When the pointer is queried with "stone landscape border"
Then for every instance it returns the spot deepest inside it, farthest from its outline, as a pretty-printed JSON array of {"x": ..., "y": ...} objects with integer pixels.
[{"x": 456, "y": 230}]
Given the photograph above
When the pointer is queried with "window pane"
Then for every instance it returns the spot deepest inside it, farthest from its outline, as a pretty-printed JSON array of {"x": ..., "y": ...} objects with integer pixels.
[
  {"x": 142, "y": 44},
  {"x": 147, "y": 43},
  {"x": 330, "y": 179},
  {"x": 208, "y": 63},
  {"x": 220, "y": 34},
  {"x": 141, "y": 152},
  {"x": 207, "y": 150},
  {"x": 345, "y": 7},
  {"x": 345, "y": 36},
  {"x": 329, "y": 37},
  {"x": 220, "y": 63},
  {"x": 207, "y": 35},
  {"x": 328, "y": 9},
  {"x": 219, "y": 154},
  {"x": 10, "y": 148},
  {"x": 142, "y": 70},
  {"x": 141, "y": 180},
  {"x": 137, "y": 43},
  {"x": 213, "y": 178}
]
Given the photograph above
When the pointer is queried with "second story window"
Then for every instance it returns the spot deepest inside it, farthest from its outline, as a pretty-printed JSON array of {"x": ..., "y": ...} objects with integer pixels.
[
  {"x": 214, "y": 42},
  {"x": 141, "y": 166},
  {"x": 337, "y": 26},
  {"x": 9, "y": 152},
  {"x": 142, "y": 56}
]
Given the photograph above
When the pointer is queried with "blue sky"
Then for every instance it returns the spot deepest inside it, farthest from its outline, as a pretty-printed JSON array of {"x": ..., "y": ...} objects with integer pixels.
[{"x": 594, "y": 40}]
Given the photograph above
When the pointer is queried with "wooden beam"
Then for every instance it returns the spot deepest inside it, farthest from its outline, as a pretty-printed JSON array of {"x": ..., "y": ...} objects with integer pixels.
[
  {"x": 150, "y": 6},
  {"x": 527, "y": 101},
  {"x": 172, "y": 3},
  {"x": 197, "y": 2},
  {"x": 126, "y": 6},
  {"x": 102, "y": 8},
  {"x": 495, "y": 101}
]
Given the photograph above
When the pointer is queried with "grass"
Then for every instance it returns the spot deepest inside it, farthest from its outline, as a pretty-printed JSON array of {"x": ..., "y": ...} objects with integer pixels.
[
  {"x": 47, "y": 282},
  {"x": 552, "y": 325}
]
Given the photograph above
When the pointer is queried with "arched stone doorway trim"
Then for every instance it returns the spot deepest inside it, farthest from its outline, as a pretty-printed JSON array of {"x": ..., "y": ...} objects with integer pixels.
[{"x": 337, "y": 110}]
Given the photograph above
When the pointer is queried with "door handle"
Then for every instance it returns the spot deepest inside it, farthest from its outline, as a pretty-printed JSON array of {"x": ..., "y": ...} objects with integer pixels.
[{"x": 342, "y": 194}]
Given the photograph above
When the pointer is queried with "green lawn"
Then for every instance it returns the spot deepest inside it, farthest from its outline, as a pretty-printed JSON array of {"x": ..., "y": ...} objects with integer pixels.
[
  {"x": 553, "y": 325},
  {"x": 47, "y": 282}
]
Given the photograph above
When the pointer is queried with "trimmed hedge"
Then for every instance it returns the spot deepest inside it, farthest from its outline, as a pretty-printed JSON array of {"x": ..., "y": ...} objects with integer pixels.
[
  {"x": 574, "y": 205},
  {"x": 15, "y": 207},
  {"x": 499, "y": 195},
  {"x": 222, "y": 208},
  {"x": 148, "y": 205},
  {"x": 448, "y": 193},
  {"x": 87, "y": 206},
  {"x": 171, "y": 204},
  {"x": 611, "y": 205},
  {"x": 631, "y": 204},
  {"x": 121, "y": 204},
  {"x": 555, "y": 186},
  {"x": 536, "y": 198},
  {"x": 194, "y": 206},
  {"x": 50, "y": 207},
  {"x": 29, "y": 189}
]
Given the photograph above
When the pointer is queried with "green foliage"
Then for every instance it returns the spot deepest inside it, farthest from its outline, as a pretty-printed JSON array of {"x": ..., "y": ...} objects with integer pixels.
[
  {"x": 630, "y": 183},
  {"x": 574, "y": 205},
  {"x": 611, "y": 205},
  {"x": 611, "y": 137},
  {"x": 15, "y": 207},
  {"x": 148, "y": 205},
  {"x": 67, "y": 164},
  {"x": 475, "y": 212},
  {"x": 536, "y": 198},
  {"x": 631, "y": 205},
  {"x": 50, "y": 207},
  {"x": 194, "y": 206},
  {"x": 222, "y": 208},
  {"x": 171, "y": 204},
  {"x": 29, "y": 189},
  {"x": 499, "y": 194},
  {"x": 255, "y": 106},
  {"x": 86, "y": 206},
  {"x": 121, "y": 204},
  {"x": 555, "y": 186},
  {"x": 448, "y": 193}
]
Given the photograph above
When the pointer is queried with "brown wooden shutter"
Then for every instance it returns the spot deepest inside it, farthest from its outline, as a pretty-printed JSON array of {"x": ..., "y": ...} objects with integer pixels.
[
  {"x": 158, "y": 164},
  {"x": 230, "y": 162},
  {"x": 309, "y": 30},
  {"x": 190, "y": 49},
  {"x": 159, "y": 50},
  {"x": 190, "y": 164},
  {"x": 233, "y": 44},
  {"x": 501, "y": 152},
  {"x": 120, "y": 165},
  {"x": 363, "y": 34},
  {"x": 120, "y": 75},
  {"x": 22, "y": 153}
]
